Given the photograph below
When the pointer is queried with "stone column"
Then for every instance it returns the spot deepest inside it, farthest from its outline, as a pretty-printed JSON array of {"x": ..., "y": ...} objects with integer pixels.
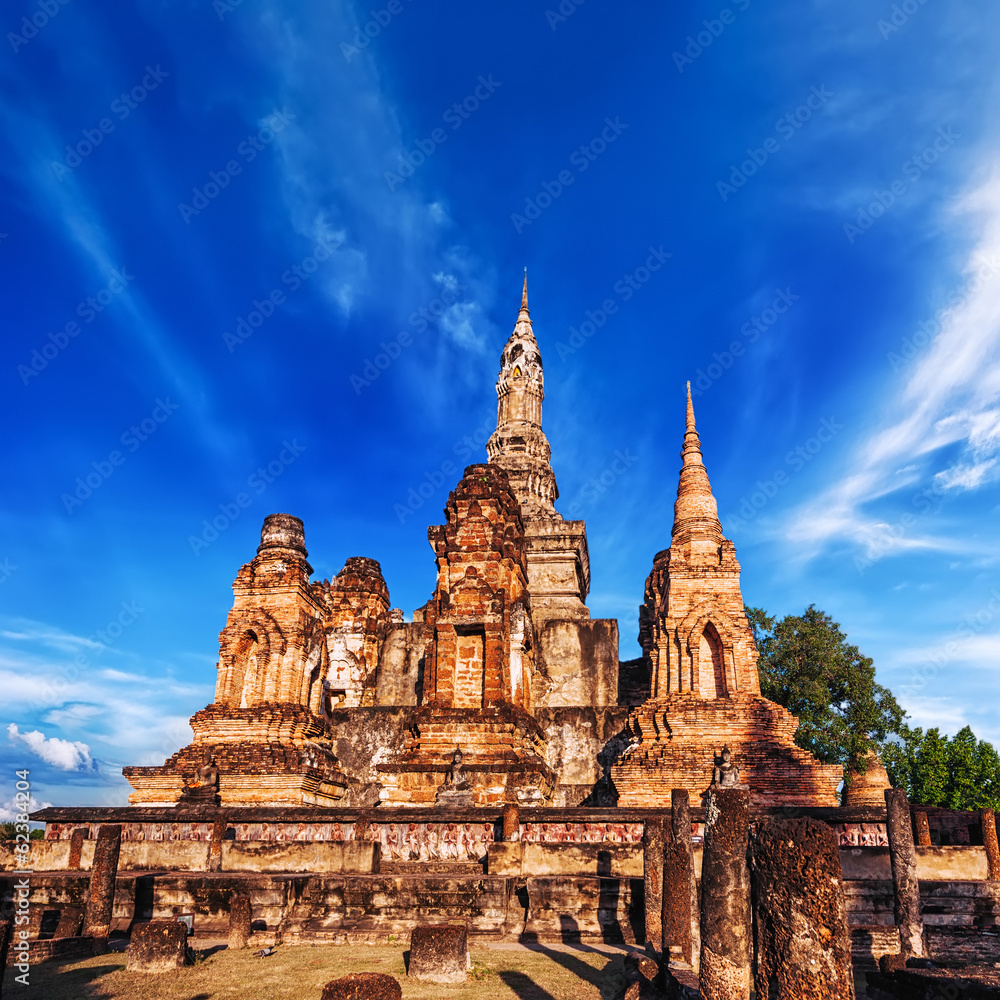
[
  {"x": 511, "y": 822},
  {"x": 680, "y": 887},
  {"x": 103, "y": 875},
  {"x": 240, "y": 920},
  {"x": 6, "y": 930},
  {"x": 988, "y": 820},
  {"x": 904, "y": 874},
  {"x": 803, "y": 943},
  {"x": 76, "y": 840},
  {"x": 652, "y": 874},
  {"x": 725, "y": 896},
  {"x": 923, "y": 830},
  {"x": 215, "y": 844}
]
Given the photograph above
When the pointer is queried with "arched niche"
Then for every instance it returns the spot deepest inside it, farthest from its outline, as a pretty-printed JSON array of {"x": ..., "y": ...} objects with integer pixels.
[{"x": 712, "y": 663}]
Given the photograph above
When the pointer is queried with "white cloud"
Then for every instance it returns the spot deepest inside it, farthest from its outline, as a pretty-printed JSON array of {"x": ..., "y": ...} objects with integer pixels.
[
  {"x": 54, "y": 638},
  {"x": 967, "y": 477},
  {"x": 10, "y": 809},
  {"x": 67, "y": 755},
  {"x": 980, "y": 651},
  {"x": 930, "y": 713},
  {"x": 948, "y": 398}
]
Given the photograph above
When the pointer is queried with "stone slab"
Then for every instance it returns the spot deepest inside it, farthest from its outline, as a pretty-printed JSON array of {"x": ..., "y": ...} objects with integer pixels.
[
  {"x": 157, "y": 946},
  {"x": 439, "y": 953},
  {"x": 362, "y": 857},
  {"x": 363, "y": 986},
  {"x": 521, "y": 858}
]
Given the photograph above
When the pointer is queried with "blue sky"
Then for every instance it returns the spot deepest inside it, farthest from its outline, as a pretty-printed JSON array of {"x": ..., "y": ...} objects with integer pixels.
[{"x": 256, "y": 234}]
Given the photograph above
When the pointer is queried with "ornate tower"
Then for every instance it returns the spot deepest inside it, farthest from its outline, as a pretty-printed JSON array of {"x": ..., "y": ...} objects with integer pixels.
[
  {"x": 557, "y": 558},
  {"x": 703, "y": 671},
  {"x": 291, "y": 653},
  {"x": 479, "y": 648},
  {"x": 693, "y": 628},
  {"x": 519, "y": 445}
]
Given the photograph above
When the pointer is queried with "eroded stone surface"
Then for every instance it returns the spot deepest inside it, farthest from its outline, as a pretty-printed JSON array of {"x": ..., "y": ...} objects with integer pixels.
[
  {"x": 680, "y": 923},
  {"x": 240, "y": 920},
  {"x": 157, "y": 946},
  {"x": 725, "y": 897},
  {"x": 439, "y": 954},
  {"x": 363, "y": 986},
  {"x": 987, "y": 819},
  {"x": 803, "y": 945},
  {"x": 103, "y": 873},
  {"x": 652, "y": 872},
  {"x": 904, "y": 873}
]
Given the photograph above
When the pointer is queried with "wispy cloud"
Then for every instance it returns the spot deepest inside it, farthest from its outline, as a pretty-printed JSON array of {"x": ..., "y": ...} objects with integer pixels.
[{"x": 943, "y": 413}]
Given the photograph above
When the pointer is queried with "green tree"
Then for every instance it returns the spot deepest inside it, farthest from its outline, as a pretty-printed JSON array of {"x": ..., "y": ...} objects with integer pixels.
[
  {"x": 808, "y": 666},
  {"x": 8, "y": 831},
  {"x": 930, "y": 768},
  {"x": 958, "y": 773},
  {"x": 963, "y": 770}
]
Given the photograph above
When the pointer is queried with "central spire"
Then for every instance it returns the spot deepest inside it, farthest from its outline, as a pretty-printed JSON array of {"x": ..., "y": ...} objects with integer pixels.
[
  {"x": 519, "y": 444},
  {"x": 696, "y": 515}
]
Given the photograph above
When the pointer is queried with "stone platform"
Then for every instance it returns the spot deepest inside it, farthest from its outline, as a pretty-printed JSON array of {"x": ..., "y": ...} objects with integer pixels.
[{"x": 675, "y": 742}]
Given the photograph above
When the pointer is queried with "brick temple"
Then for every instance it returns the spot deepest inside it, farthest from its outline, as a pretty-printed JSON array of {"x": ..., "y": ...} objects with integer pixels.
[
  {"x": 493, "y": 764},
  {"x": 326, "y": 695}
]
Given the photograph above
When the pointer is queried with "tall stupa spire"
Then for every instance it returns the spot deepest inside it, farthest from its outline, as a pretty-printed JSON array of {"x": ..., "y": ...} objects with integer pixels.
[
  {"x": 696, "y": 515},
  {"x": 519, "y": 444}
]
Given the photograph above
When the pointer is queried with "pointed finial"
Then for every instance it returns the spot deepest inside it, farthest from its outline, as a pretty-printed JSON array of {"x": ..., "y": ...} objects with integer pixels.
[
  {"x": 524, "y": 294},
  {"x": 695, "y": 512},
  {"x": 691, "y": 451}
]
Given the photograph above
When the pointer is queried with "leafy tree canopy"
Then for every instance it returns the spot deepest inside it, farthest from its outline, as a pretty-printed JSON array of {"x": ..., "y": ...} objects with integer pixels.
[
  {"x": 808, "y": 666},
  {"x": 957, "y": 773}
]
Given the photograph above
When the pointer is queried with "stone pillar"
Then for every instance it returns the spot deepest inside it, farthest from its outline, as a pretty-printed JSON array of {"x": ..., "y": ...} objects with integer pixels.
[
  {"x": 988, "y": 820},
  {"x": 511, "y": 822},
  {"x": 6, "y": 930},
  {"x": 725, "y": 896},
  {"x": 923, "y": 830},
  {"x": 103, "y": 875},
  {"x": 680, "y": 887},
  {"x": 904, "y": 874},
  {"x": 215, "y": 844},
  {"x": 652, "y": 874},
  {"x": 76, "y": 840},
  {"x": 240, "y": 920},
  {"x": 803, "y": 943}
]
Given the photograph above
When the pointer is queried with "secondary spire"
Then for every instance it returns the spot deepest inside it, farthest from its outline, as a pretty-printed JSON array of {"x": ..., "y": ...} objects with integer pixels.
[
  {"x": 524, "y": 294},
  {"x": 696, "y": 514}
]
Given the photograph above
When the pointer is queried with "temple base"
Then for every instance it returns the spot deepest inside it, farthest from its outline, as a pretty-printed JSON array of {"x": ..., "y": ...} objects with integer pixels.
[
  {"x": 502, "y": 762},
  {"x": 273, "y": 754},
  {"x": 677, "y": 738}
]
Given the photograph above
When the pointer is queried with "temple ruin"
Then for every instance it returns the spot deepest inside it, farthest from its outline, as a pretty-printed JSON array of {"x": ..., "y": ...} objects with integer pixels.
[
  {"x": 503, "y": 662},
  {"x": 490, "y": 759}
]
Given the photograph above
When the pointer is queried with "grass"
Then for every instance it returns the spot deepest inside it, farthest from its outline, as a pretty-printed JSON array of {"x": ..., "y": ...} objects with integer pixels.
[{"x": 299, "y": 973}]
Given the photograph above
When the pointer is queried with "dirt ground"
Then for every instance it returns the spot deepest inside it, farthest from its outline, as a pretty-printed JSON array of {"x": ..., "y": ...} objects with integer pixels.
[{"x": 299, "y": 973}]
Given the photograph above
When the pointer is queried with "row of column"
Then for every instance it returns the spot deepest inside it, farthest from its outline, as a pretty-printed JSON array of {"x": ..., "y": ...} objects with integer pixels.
[{"x": 784, "y": 880}]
